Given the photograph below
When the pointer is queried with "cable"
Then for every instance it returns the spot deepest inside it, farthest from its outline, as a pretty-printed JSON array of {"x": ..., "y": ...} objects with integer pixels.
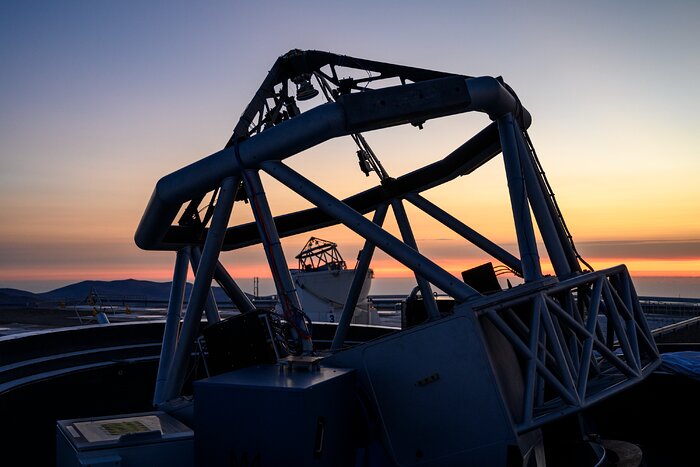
[
  {"x": 540, "y": 169},
  {"x": 550, "y": 193}
]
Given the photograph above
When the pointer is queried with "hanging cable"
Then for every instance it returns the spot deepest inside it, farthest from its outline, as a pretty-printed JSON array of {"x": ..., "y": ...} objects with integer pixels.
[{"x": 550, "y": 193}]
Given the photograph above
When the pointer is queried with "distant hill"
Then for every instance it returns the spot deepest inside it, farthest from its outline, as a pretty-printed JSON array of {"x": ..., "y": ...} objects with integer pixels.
[
  {"x": 17, "y": 293},
  {"x": 128, "y": 289},
  {"x": 16, "y": 297}
]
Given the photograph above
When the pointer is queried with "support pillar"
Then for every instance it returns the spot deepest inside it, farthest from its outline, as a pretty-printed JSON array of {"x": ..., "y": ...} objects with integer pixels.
[
  {"x": 409, "y": 239},
  {"x": 202, "y": 287},
  {"x": 239, "y": 298},
  {"x": 465, "y": 231},
  {"x": 555, "y": 240},
  {"x": 269, "y": 236},
  {"x": 211, "y": 310},
  {"x": 518, "y": 199},
  {"x": 357, "y": 282},
  {"x": 172, "y": 322}
]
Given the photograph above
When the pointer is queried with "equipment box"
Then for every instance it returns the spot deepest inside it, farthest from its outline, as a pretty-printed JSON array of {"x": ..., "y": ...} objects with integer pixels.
[
  {"x": 271, "y": 415},
  {"x": 142, "y": 439}
]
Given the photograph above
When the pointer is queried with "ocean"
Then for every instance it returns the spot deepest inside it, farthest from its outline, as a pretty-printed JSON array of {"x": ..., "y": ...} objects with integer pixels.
[
  {"x": 660, "y": 286},
  {"x": 686, "y": 287}
]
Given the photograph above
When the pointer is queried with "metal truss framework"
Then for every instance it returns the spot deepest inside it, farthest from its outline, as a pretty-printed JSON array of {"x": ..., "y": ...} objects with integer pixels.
[
  {"x": 552, "y": 323},
  {"x": 578, "y": 340},
  {"x": 320, "y": 253}
]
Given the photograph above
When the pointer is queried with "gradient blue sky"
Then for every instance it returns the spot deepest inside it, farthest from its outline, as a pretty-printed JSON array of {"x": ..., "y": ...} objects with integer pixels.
[{"x": 100, "y": 99}]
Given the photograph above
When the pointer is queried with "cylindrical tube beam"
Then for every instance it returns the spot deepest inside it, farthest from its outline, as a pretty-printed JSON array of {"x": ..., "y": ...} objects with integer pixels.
[
  {"x": 367, "y": 229},
  {"x": 211, "y": 310},
  {"x": 518, "y": 199},
  {"x": 201, "y": 287},
  {"x": 486, "y": 94},
  {"x": 554, "y": 213},
  {"x": 297, "y": 134},
  {"x": 239, "y": 298},
  {"x": 289, "y": 300},
  {"x": 172, "y": 322},
  {"x": 357, "y": 282},
  {"x": 538, "y": 201},
  {"x": 465, "y": 231},
  {"x": 426, "y": 291}
]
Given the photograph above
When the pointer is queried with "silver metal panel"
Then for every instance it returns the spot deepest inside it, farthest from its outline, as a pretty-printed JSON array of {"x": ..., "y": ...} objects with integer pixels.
[{"x": 436, "y": 394}]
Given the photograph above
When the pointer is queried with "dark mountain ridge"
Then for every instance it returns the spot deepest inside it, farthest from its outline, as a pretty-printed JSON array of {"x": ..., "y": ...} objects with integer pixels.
[{"x": 119, "y": 290}]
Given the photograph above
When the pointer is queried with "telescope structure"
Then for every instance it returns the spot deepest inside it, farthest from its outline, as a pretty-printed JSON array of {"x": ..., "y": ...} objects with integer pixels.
[{"x": 468, "y": 384}]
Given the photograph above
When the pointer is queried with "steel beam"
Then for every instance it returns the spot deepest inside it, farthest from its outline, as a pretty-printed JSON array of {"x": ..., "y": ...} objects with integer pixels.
[
  {"x": 172, "y": 323},
  {"x": 211, "y": 309},
  {"x": 350, "y": 114},
  {"x": 531, "y": 375},
  {"x": 237, "y": 296},
  {"x": 358, "y": 281},
  {"x": 202, "y": 287},
  {"x": 564, "y": 236},
  {"x": 543, "y": 214},
  {"x": 410, "y": 240},
  {"x": 465, "y": 231},
  {"x": 289, "y": 300},
  {"x": 367, "y": 229},
  {"x": 518, "y": 199}
]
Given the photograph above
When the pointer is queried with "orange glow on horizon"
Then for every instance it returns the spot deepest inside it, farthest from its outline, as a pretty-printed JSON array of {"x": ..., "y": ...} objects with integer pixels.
[
  {"x": 685, "y": 267},
  {"x": 646, "y": 267},
  {"x": 643, "y": 267},
  {"x": 383, "y": 268}
]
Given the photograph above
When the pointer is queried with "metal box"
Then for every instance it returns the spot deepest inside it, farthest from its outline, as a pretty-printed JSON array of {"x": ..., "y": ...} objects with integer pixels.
[
  {"x": 270, "y": 415},
  {"x": 437, "y": 397},
  {"x": 133, "y": 440}
]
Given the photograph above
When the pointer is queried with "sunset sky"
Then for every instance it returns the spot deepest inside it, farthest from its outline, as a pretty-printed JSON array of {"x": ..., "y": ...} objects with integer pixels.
[{"x": 98, "y": 100}]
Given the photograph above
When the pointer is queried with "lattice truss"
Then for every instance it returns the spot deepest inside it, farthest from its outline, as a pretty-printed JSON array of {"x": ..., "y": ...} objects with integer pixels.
[
  {"x": 577, "y": 341},
  {"x": 319, "y": 253},
  {"x": 337, "y": 75}
]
